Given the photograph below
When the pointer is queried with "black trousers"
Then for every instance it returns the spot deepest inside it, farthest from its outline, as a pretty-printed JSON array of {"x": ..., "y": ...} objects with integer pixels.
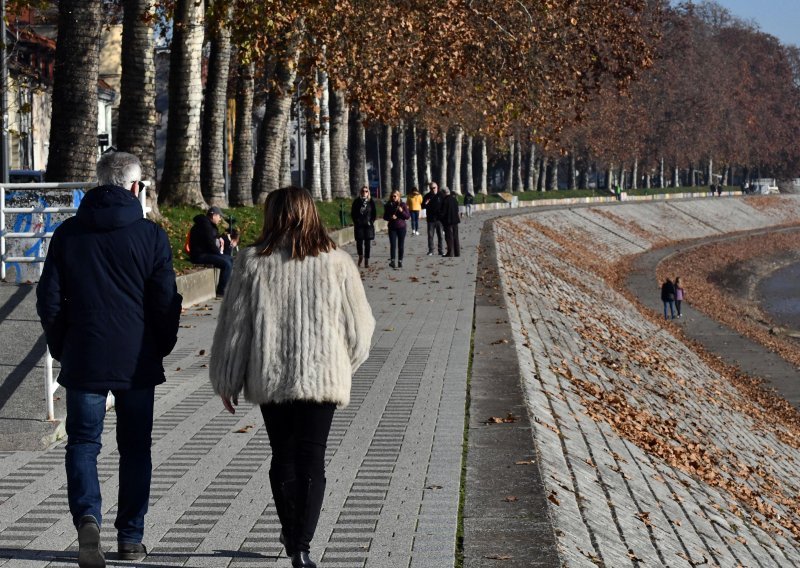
[
  {"x": 451, "y": 238},
  {"x": 298, "y": 434},
  {"x": 362, "y": 247}
]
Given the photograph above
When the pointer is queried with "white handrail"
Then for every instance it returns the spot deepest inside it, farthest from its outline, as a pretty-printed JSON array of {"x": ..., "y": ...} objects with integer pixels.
[{"x": 50, "y": 386}]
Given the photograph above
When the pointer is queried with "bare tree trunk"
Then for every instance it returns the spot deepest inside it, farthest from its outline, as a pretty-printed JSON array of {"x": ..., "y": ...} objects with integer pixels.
[
  {"x": 285, "y": 175},
  {"x": 661, "y": 177},
  {"x": 518, "y": 186},
  {"x": 340, "y": 128},
  {"x": 73, "y": 131},
  {"x": 213, "y": 161},
  {"x": 583, "y": 181},
  {"x": 324, "y": 137},
  {"x": 427, "y": 158},
  {"x": 358, "y": 153},
  {"x": 387, "y": 171},
  {"x": 710, "y": 170},
  {"x": 484, "y": 182},
  {"x": 509, "y": 181},
  {"x": 137, "y": 111},
  {"x": 266, "y": 176},
  {"x": 543, "y": 174},
  {"x": 647, "y": 180},
  {"x": 313, "y": 179},
  {"x": 443, "y": 162},
  {"x": 531, "y": 173},
  {"x": 469, "y": 174},
  {"x": 458, "y": 142},
  {"x": 241, "y": 190},
  {"x": 676, "y": 177},
  {"x": 401, "y": 158},
  {"x": 413, "y": 157},
  {"x": 572, "y": 180},
  {"x": 725, "y": 172},
  {"x": 610, "y": 178},
  {"x": 552, "y": 178}
]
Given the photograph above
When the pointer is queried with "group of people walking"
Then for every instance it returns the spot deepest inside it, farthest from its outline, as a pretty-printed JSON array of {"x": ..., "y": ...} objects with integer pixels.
[
  {"x": 110, "y": 309},
  {"x": 672, "y": 295},
  {"x": 441, "y": 214}
]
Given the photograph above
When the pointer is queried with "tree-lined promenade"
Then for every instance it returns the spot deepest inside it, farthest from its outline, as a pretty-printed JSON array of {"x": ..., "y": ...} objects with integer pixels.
[{"x": 519, "y": 96}]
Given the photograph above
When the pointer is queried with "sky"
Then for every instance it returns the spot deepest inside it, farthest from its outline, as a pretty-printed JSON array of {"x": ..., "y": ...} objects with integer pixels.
[{"x": 780, "y": 18}]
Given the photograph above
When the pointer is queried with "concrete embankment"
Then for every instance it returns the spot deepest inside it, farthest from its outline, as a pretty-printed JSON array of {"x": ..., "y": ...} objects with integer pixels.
[{"x": 649, "y": 452}]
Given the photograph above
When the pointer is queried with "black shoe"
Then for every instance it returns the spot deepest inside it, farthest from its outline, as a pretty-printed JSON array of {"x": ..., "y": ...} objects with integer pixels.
[
  {"x": 90, "y": 555},
  {"x": 399, "y": 264},
  {"x": 366, "y": 263},
  {"x": 131, "y": 551},
  {"x": 301, "y": 560},
  {"x": 392, "y": 264}
]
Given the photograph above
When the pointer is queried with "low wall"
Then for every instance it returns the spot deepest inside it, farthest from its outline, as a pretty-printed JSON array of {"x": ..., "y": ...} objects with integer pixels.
[{"x": 200, "y": 285}]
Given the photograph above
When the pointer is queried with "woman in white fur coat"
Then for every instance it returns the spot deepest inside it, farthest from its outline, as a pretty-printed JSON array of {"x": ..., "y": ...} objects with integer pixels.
[{"x": 293, "y": 328}]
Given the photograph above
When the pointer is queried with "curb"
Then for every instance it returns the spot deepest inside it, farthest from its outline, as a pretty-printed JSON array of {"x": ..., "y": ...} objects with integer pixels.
[{"x": 505, "y": 513}]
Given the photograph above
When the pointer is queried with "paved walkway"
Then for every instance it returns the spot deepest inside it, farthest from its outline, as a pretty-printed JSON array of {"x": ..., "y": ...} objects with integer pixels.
[
  {"x": 22, "y": 405},
  {"x": 394, "y": 454}
]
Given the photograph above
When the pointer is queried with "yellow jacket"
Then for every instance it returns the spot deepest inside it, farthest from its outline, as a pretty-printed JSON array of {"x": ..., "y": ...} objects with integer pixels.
[{"x": 414, "y": 202}]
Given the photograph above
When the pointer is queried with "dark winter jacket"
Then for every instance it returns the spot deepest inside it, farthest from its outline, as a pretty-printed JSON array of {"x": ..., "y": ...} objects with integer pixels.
[
  {"x": 449, "y": 213},
  {"x": 399, "y": 210},
  {"x": 203, "y": 237},
  {"x": 107, "y": 298},
  {"x": 667, "y": 291},
  {"x": 432, "y": 204},
  {"x": 469, "y": 199},
  {"x": 363, "y": 223}
]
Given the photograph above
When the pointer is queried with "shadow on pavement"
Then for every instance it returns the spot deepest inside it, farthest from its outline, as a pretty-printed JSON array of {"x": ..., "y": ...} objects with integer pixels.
[{"x": 111, "y": 557}]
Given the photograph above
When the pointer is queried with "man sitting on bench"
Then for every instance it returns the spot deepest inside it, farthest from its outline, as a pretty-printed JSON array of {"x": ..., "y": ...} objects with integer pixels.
[{"x": 205, "y": 246}]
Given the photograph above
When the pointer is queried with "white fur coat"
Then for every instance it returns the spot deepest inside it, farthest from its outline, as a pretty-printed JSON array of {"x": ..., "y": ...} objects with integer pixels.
[{"x": 291, "y": 330}]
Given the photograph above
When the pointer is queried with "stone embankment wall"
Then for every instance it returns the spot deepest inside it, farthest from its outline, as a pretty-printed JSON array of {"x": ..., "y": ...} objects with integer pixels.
[{"x": 651, "y": 453}]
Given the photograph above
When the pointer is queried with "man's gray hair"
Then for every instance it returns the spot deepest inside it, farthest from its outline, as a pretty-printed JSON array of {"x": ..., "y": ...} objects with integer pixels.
[
  {"x": 445, "y": 191},
  {"x": 118, "y": 168}
]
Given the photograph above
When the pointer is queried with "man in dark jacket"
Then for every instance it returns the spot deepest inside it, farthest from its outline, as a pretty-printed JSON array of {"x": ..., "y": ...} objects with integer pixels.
[
  {"x": 110, "y": 310},
  {"x": 432, "y": 204},
  {"x": 450, "y": 218},
  {"x": 204, "y": 246}
]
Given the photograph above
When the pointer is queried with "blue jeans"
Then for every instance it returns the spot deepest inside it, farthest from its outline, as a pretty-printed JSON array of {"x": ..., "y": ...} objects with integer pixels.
[
  {"x": 671, "y": 304},
  {"x": 415, "y": 220},
  {"x": 222, "y": 261},
  {"x": 85, "y": 413}
]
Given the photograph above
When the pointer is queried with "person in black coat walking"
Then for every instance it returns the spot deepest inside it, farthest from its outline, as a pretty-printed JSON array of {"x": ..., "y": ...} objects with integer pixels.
[
  {"x": 206, "y": 246},
  {"x": 432, "y": 204},
  {"x": 396, "y": 213},
  {"x": 450, "y": 218},
  {"x": 668, "y": 297},
  {"x": 110, "y": 310},
  {"x": 363, "y": 213}
]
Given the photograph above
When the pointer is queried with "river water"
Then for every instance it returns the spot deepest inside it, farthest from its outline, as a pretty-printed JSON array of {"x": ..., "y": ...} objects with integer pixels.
[{"x": 780, "y": 296}]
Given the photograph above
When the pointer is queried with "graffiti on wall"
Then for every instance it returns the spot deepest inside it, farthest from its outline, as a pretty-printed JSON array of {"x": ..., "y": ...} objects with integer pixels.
[{"x": 37, "y": 222}]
